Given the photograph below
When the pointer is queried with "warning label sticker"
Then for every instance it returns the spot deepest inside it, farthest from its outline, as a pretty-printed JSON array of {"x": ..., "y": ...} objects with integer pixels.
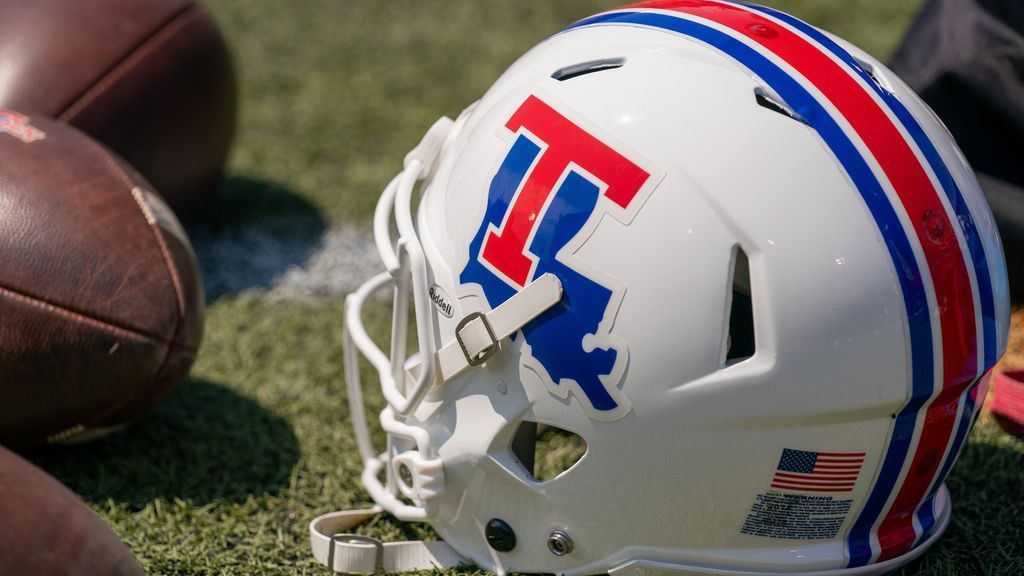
[{"x": 796, "y": 516}]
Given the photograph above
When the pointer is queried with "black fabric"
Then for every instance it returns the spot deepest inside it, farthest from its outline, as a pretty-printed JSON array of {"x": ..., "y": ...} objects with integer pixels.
[{"x": 966, "y": 59}]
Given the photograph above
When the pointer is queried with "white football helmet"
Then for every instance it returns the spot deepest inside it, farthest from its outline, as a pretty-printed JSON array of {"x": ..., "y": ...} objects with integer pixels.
[{"x": 734, "y": 254}]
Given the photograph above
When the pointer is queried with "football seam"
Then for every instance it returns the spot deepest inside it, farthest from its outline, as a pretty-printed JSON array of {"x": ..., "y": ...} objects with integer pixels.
[
  {"x": 151, "y": 221},
  {"x": 172, "y": 343},
  {"x": 186, "y": 16},
  {"x": 179, "y": 295},
  {"x": 79, "y": 317},
  {"x": 179, "y": 298}
]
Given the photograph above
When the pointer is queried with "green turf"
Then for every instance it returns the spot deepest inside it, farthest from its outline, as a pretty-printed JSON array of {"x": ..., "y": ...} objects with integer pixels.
[
  {"x": 334, "y": 93},
  {"x": 224, "y": 477}
]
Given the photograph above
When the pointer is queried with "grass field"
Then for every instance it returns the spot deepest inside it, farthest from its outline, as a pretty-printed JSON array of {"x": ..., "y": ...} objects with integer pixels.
[{"x": 224, "y": 477}]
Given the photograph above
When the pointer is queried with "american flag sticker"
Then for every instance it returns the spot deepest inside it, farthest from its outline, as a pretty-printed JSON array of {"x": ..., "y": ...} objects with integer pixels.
[{"x": 803, "y": 471}]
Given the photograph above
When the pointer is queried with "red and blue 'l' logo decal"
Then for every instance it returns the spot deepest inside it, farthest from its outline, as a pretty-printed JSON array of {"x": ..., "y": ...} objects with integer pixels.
[{"x": 548, "y": 194}]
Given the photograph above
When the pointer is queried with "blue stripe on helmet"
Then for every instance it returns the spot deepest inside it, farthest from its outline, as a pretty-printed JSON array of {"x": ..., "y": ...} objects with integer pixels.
[
  {"x": 972, "y": 238},
  {"x": 889, "y": 225}
]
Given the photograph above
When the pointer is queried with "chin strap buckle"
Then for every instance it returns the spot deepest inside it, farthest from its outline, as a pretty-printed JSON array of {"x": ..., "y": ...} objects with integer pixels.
[
  {"x": 472, "y": 333},
  {"x": 338, "y": 549},
  {"x": 343, "y": 539},
  {"x": 478, "y": 334}
]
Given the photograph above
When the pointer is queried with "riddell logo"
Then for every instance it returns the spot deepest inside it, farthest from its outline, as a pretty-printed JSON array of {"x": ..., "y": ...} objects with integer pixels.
[
  {"x": 17, "y": 125},
  {"x": 440, "y": 300}
]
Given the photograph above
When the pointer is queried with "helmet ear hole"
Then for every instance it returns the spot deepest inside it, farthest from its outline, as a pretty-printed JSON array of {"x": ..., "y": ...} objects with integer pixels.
[{"x": 546, "y": 451}]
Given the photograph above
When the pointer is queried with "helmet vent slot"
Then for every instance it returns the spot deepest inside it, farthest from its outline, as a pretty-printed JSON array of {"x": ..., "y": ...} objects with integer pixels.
[
  {"x": 870, "y": 71},
  {"x": 569, "y": 72},
  {"x": 546, "y": 451},
  {"x": 740, "y": 343},
  {"x": 771, "y": 102}
]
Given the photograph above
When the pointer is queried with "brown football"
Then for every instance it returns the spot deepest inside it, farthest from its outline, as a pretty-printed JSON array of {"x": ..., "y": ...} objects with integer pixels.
[
  {"x": 100, "y": 301},
  {"x": 150, "y": 79},
  {"x": 48, "y": 530}
]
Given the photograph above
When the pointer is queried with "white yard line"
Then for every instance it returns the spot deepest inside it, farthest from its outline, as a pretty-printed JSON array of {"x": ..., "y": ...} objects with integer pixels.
[{"x": 284, "y": 262}]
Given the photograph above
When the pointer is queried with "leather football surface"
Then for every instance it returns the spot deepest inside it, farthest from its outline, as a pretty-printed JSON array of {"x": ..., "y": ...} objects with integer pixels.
[
  {"x": 99, "y": 293},
  {"x": 48, "y": 530},
  {"x": 150, "y": 79}
]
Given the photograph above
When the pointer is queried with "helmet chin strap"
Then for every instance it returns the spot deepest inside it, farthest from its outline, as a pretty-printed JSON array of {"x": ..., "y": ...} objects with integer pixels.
[
  {"x": 341, "y": 551},
  {"x": 478, "y": 334},
  {"x": 476, "y": 339}
]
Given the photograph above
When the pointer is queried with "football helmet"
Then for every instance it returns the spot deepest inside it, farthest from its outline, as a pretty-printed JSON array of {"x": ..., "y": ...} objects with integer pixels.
[{"x": 733, "y": 254}]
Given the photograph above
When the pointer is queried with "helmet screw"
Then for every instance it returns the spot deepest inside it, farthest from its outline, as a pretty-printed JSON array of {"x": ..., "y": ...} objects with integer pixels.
[
  {"x": 405, "y": 474},
  {"x": 559, "y": 543},
  {"x": 500, "y": 535}
]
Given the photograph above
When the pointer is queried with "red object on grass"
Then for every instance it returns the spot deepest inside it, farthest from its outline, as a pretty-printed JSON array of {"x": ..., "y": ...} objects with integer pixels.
[{"x": 1008, "y": 401}]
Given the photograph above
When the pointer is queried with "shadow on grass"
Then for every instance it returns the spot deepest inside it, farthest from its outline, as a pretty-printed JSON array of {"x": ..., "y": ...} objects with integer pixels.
[
  {"x": 253, "y": 232},
  {"x": 206, "y": 443}
]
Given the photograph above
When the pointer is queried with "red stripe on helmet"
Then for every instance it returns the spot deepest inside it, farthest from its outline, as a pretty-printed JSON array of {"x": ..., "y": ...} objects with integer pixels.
[{"x": 936, "y": 234}]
